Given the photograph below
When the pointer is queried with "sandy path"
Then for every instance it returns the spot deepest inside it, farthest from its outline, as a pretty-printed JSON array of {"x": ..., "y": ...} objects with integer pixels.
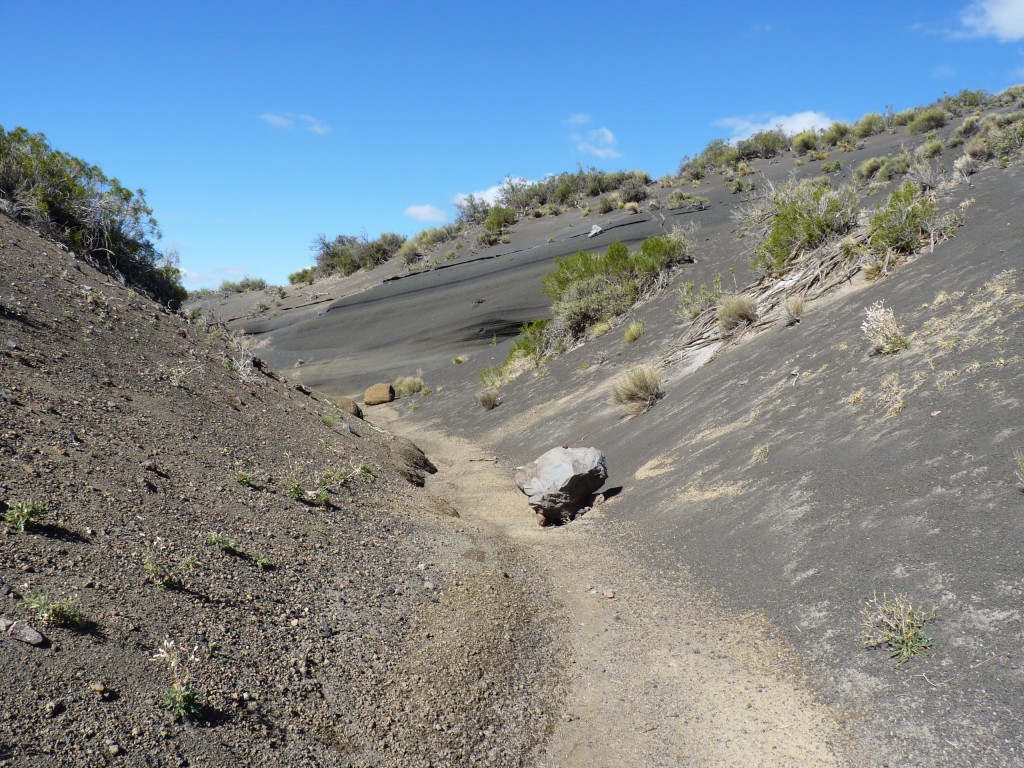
[{"x": 657, "y": 676}]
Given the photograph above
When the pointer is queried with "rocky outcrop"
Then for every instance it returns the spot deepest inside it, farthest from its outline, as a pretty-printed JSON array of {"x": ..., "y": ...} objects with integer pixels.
[
  {"x": 379, "y": 394},
  {"x": 561, "y": 481}
]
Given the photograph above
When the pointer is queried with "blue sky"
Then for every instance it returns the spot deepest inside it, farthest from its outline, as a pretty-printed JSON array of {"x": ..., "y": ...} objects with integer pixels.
[{"x": 254, "y": 126}]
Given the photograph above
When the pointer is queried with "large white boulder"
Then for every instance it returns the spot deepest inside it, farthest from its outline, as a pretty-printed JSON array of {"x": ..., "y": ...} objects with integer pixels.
[{"x": 562, "y": 481}]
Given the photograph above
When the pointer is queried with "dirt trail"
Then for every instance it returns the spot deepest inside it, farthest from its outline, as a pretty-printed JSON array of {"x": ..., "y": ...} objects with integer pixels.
[{"x": 657, "y": 676}]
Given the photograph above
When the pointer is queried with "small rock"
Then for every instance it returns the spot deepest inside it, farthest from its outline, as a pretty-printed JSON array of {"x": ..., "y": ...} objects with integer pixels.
[
  {"x": 304, "y": 389},
  {"x": 609, "y": 593},
  {"x": 113, "y": 750},
  {"x": 53, "y": 708},
  {"x": 20, "y": 631},
  {"x": 349, "y": 406}
]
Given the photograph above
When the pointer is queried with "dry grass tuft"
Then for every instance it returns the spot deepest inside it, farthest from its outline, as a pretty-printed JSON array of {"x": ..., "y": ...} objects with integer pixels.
[
  {"x": 406, "y": 386},
  {"x": 793, "y": 309},
  {"x": 638, "y": 389},
  {"x": 735, "y": 312},
  {"x": 488, "y": 399},
  {"x": 635, "y": 330}
]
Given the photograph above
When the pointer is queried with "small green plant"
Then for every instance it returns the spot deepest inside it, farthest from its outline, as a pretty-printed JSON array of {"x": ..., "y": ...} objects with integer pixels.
[
  {"x": 930, "y": 149},
  {"x": 927, "y": 120},
  {"x": 832, "y": 167},
  {"x": 322, "y": 498},
  {"x": 183, "y": 702},
  {"x": 736, "y": 311},
  {"x": 262, "y": 562},
  {"x": 899, "y": 224},
  {"x": 882, "y": 330},
  {"x": 60, "y": 613},
  {"x": 634, "y": 331},
  {"x": 896, "y": 624},
  {"x": 638, "y": 389},
  {"x": 296, "y": 491},
  {"x": 870, "y": 124},
  {"x": 458, "y": 360},
  {"x": 24, "y": 514},
  {"x": 328, "y": 419},
  {"x": 804, "y": 142},
  {"x": 245, "y": 479},
  {"x": 224, "y": 543}
]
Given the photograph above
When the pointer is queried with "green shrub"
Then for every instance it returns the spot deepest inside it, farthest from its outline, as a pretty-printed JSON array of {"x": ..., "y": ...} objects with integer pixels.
[
  {"x": 803, "y": 215},
  {"x": 58, "y": 613},
  {"x": 869, "y": 167},
  {"x": 898, "y": 225},
  {"x": 804, "y": 142},
  {"x": 965, "y": 101},
  {"x": 869, "y": 125},
  {"x": 307, "y": 276},
  {"x": 927, "y": 120},
  {"x": 836, "y": 133},
  {"x": 633, "y": 190},
  {"x": 607, "y": 204},
  {"x": 498, "y": 218},
  {"x": 930, "y": 149},
  {"x": 75, "y": 203},
  {"x": 488, "y": 399},
  {"x": 895, "y": 166},
  {"x": 763, "y": 144},
  {"x": 832, "y": 167},
  {"x": 680, "y": 199},
  {"x": 183, "y": 702},
  {"x": 738, "y": 186},
  {"x": 245, "y": 285}
]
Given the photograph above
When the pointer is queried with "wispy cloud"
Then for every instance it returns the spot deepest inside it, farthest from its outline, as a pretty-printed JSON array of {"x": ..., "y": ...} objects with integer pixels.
[
  {"x": 942, "y": 71},
  {"x": 425, "y": 213},
  {"x": 1001, "y": 19},
  {"x": 290, "y": 120},
  {"x": 214, "y": 277},
  {"x": 742, "y": 127},
  {"x": 599, "y": 142}
]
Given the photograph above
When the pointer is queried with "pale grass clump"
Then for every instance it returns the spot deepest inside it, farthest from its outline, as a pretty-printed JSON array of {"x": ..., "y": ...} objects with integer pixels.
[
  {"x": 638, "y": 389},
  {"x": 793, "y": 309},
  {"x": 736, "y": 311},
  {"x": 882, "y": 330},
  {"x": 406, "y": 386},
  {"x": 489, "y": 399},
  {"x": 634, "y": 331}
]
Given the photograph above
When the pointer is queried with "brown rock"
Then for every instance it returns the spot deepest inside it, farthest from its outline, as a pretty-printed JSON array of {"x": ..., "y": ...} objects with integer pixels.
[
  {"x": 379, "y": 394},
  {"x": 19, "y": 630},
  {"x": 350, "y": 407}
]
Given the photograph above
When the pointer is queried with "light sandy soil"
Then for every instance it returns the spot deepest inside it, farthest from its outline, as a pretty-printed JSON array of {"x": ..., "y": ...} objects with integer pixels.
[{"x": 657, "y": 676}]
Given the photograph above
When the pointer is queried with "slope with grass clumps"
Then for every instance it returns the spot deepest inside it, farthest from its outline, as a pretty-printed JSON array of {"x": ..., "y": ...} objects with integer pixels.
[{"x": 839, "y": 366}]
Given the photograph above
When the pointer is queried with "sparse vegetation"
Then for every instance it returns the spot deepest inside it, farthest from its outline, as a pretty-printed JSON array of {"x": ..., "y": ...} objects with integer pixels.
[
  {"x": 24, "y": 514},
  {"x": 245, "y": 479},
  {"x": 224, "y": 543},
  {"x": 407, "y": 386},
  {"x": 692, "y": 300},
  {"x": 57, "y": 613},
  {"x": 245, "y": 285},
  {"x": 896, "y": 624},
  {"x": 869, "y": 125},
  {"x": 761, "y": 453},
  {"x": 638, "y": 389}
]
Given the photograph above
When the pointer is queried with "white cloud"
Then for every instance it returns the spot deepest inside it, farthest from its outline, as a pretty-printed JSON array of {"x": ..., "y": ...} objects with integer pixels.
[
  {"x": 425, "y": 213},
  {"x": 278, "y": 121},
  {"x": 1001, "y": 19},
  {"x": 743, "y": 127},
  {"x": 599, "y": 142},
  {"x": 489, "y": 195},
  {"x": 580, "y": 118},
  {"x": 290, "y": 119}
]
